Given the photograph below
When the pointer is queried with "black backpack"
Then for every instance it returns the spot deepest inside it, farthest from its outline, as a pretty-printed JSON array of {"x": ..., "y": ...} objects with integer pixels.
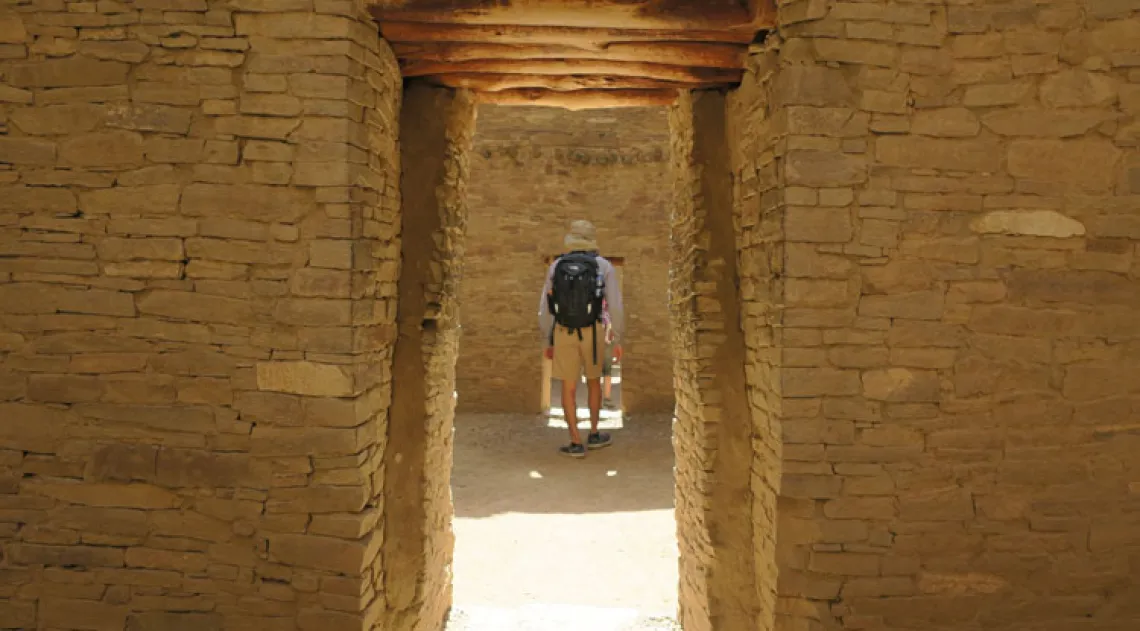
[{"x": 576, "y": 291}]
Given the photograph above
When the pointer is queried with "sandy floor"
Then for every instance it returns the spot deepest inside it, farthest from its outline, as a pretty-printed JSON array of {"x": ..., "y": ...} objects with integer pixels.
[{"x": 541, "y": 537}]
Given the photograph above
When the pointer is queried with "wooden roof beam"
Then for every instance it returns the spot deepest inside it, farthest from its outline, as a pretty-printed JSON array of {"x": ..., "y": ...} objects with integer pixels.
[
  {"x": 580, "y": 99},
  {"x": 555, "y": 83},
  {"x": 660, "y": 72},
  {"x": 762, "y": 12},
  {"x": 658, "y": 14},
  {"x": 595, "y": 38},
  {"x": 672, "y": 53}
]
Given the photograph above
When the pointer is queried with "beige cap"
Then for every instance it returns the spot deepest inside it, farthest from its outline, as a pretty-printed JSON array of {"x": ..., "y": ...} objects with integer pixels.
[{"x": 582, "y": 236}]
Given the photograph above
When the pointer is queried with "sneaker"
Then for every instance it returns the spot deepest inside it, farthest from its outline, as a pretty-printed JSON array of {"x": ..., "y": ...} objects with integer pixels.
[
  {"x": 574, "y": 450},
  {"x": 599, "y": 440}
]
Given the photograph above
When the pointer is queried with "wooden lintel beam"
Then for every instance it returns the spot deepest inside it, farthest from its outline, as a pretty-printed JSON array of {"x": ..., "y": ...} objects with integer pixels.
[
  {"x": 596, "y": 38},
  {"x": 500, "y": 82},
  {"x": 672, "y": 53},
  {"x": 762, "y": 12},
  {"x": 661, "y": 72},
  {"x": 581, "y": 99},
  {"x": 668, "y": 14}
]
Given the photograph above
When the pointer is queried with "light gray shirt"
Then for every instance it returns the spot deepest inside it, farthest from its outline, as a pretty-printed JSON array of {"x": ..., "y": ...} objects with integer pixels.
[{"x": 613, "y": 302}]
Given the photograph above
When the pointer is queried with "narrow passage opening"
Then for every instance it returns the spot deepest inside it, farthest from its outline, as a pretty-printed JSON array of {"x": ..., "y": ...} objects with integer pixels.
[{"x": 542, "y": 539}]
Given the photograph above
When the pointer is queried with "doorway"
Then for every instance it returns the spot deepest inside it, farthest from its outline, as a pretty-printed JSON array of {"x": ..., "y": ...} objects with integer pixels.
[
  {"x": 713, "y": 425},
  {"x": 538, "y": 535},
  {"x": 533, "y": 170}
]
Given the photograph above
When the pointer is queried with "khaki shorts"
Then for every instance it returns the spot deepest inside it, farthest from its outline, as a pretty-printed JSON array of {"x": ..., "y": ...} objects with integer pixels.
[{"x": 572, "y": 355}]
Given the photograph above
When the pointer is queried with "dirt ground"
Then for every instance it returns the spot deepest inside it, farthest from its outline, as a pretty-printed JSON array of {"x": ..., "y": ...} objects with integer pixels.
[{"x": 544, "y": 541}]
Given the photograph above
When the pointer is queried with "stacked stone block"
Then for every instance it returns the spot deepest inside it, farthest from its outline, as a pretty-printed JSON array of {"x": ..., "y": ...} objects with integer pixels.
[
  {"x": 438, "y": 127},
  {"x": 198, "y": 254},
  {"x": 752, "y": 114},
  {"x": 714, "y": 427},
  {"x": 932, "y": 225},
  {"x": 688, "y": 440},
  {"x": 958, "y": 189}
]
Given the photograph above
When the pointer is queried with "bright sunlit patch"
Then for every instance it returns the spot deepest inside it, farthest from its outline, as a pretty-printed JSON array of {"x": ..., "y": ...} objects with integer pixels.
[
  {"x": 541, "y": 616},
  {"x": 536, "y": 475},
  {"x": 610, "y": 419},
  {"x": 610, "y": 474}
]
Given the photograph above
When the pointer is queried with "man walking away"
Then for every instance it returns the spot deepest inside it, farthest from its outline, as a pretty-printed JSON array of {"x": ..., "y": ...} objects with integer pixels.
[{"x": 569, "y": 316}]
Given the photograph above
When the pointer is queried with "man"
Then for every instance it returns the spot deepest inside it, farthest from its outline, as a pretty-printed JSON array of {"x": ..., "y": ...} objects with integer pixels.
[{"x": 569, "y": 316}]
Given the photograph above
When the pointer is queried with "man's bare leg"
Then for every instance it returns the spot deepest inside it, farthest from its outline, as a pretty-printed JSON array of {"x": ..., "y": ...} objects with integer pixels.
[
  {"x": 594, "y": 390},
  {"x": 596, "y": 439},
  {"x": 570, "y": 408}
]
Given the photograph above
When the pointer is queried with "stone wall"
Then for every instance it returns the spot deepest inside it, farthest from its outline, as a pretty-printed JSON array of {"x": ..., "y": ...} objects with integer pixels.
[
  {"x": 437, "y": 125},
  {"x": 198, "y": 254},
  {"x": 714, "y": 427},
  {"x": 533, "y": 171},
  {"x": 959, "y": 184},
  {"x": 758, "y": 217},
  {"x": 933, "y": 227}
]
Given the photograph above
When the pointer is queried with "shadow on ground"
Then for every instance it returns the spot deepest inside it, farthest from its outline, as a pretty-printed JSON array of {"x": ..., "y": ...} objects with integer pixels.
[{"x": 511, "y": 464}]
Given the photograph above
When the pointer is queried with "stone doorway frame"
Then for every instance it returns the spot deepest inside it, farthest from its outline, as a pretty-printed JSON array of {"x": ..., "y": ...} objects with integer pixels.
[{"x": 713, "y": 427}]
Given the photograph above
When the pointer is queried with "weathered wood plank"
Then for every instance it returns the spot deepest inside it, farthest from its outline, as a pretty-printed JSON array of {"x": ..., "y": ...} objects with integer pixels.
[
  {"x": 661, "y": 72},
  {"x": 596, "y": 38},
  {"x": 672, "y": 53},
  {"x": 499, "y": 82},
  {"x": 581, "y": 99},
  {"x": 763, "y": 12},
  {"x": 669, "y": 14}
]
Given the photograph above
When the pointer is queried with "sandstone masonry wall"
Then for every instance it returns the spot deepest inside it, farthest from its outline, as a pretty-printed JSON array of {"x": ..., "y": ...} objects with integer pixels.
[
  {"x": 959, "y": 185},
  {"x": 714, "y": 426},
  {"x": 437, "y": 126},
  {"x": 533, "y": 171},
  {"x": 758, "y": 217},
  {"x": 198, "y": 254}
]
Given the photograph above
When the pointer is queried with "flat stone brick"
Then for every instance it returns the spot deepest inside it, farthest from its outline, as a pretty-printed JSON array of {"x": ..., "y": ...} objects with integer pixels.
[
  {"x": 324, "y": 553},
  {"x": 817, "y": 225},
  {"x": 51, "y": 555},
  {"x": 800, "y": 382},
  {"x": 305, "y": 378},
  {"x": 168, "y": 621},
  {"x": 203, "y": 469},
  {"x": 140, "y": 496},
  {"x": 956, "y": 155},
  {"x": 901, "y": 384},
  {"x": 194, "y": 306},
  {"x": 82, "y": 614},
  {"x": 246, "y": 201},
  {"x": 68, "y": 72},
  {"x": 57, "y": 119},
  {"x": 102, "y": 149},
  {"x": 818, "y": 169},
  {"x": 922, "y": 305},
  {"x": 31, "y": 151},
  {"x": 1084, "y": 165}
]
